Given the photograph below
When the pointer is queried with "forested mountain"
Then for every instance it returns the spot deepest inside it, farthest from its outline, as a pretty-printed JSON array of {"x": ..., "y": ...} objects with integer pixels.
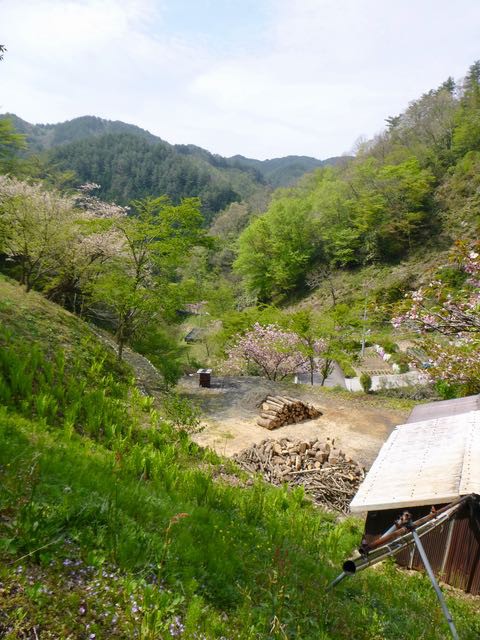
[
  {"x": 129, "y": 162},
  {"x": 41, "y": 137},
  {"x": 283, "y": 172},
  {"x": 414, "y": 185},
  {"x": 127, "y": 166}
]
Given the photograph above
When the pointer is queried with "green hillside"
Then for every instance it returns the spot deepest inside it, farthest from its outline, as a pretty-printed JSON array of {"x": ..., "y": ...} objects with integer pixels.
[
  {"x": 114, "y": 525},
  {"x": 412, "y": 188},
  {"x": 129, "y": 162},
  {"x": 41, "y": 137}
]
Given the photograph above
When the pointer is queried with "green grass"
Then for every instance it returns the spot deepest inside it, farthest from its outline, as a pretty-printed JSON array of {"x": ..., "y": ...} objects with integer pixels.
[
  {"x": 126, "y": 533},
  {"x": 373, "y": 399}
]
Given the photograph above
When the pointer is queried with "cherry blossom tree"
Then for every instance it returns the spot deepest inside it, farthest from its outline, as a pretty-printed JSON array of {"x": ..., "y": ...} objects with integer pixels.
[
  {"x": 454, "y": 315},
  {"x": 35, "y": 225},
  {"x": 436, "y": 308},
  {"x": 274, "y": 351},
  {"x": 94, "y": 241}
]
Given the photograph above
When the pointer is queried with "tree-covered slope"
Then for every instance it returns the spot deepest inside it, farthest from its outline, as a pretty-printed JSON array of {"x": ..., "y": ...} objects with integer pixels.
[
  {"x": 41, "y": 137},
  {"x": 284, "y": 172},
  {"x": 127, "y": 166},
  {"x": 129, "y": 162},
  {"x": 412, "y": 186}
]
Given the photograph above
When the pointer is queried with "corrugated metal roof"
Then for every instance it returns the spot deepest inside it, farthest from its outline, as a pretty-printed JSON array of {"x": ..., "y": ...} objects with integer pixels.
[
  {"x": 423, "y": 463},
  {"x": 444, "y": 408}
]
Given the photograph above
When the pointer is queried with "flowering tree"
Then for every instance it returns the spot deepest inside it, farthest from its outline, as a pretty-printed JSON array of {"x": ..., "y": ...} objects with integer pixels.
[
  {"x": 276, "y": 352},
  {"x": 94, "y": 240},
  {"x": 35, "y": 226},
  {"x": 455, "y": 314}
]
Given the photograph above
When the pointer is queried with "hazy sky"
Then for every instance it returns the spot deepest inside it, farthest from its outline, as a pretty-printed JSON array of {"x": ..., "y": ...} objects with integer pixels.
[{"x": 262, "y": 78}]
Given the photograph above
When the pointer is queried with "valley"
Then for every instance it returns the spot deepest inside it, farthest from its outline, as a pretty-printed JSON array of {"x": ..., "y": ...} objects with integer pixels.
[{"x": 128, "y": 504}]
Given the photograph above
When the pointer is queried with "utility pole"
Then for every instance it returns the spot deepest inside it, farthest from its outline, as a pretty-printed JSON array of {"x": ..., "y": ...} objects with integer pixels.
[{"x": 364, "y": 332}]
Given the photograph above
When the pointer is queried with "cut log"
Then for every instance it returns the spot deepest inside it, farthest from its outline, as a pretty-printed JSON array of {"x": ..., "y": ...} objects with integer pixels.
[{"x": 268, "y": 423}]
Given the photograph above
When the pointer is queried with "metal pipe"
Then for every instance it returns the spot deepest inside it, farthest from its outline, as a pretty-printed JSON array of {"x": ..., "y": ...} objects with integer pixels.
[
  {"x": 434, "y": 582},
  {"x": 384, "y": 539},
  {"x": 338, "y": 579},
  {"x": 398, "y": 543}
]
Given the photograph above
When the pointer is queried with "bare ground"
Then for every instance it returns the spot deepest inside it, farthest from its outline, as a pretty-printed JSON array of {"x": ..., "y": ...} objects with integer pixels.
[
  {"x": 232, "y": 404},
  {"x": 230, "y": 407}
]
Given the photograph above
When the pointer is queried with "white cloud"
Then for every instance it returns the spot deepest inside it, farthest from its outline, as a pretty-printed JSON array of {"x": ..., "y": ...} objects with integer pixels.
[{"x": 323, "y": 71}]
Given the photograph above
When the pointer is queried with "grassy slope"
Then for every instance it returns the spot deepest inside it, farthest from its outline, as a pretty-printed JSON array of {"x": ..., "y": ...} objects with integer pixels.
[
  {"x": 94, "y": 540},
  {"x": 383, "y": 282}
]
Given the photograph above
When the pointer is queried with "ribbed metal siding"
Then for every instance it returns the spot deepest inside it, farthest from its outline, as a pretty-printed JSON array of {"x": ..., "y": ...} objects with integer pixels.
[
  {"x": 462, "y": 566},
  {"x": 460, "y": 560}
]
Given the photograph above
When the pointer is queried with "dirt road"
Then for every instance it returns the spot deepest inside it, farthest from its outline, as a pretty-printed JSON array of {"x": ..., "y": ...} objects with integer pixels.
[{"x": 231, "y": 406}]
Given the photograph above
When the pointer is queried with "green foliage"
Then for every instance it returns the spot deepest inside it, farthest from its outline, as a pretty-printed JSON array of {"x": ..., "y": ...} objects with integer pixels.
[
  {"x": 363, "y": 213},
  {"x": 278, "y": 248},
  {"x": 135, "y": 284},
  {"x": 10, "y": 144},
  {"x": 161, "y": 347},
  {"x": 366, "y": 382},
  {"x": 81, "y": 393},
  {"x": 446, "y": 390},
  {"x": 380, "y": 207}
]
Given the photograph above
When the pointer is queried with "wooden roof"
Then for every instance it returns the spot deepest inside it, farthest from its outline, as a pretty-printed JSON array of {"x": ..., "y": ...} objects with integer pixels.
[{"x": 422, "y": 463}]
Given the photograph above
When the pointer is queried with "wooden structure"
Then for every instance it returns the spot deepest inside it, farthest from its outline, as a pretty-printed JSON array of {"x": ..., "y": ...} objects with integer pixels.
[
  {"x": 205, "y": 377},
  {"x": 424, "y": 464}
]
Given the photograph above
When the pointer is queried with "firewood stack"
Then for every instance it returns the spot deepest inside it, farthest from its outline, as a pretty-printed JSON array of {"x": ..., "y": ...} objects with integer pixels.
[
  {"x": 326, "y": 472},
  {"x": 278, "y": 411}
]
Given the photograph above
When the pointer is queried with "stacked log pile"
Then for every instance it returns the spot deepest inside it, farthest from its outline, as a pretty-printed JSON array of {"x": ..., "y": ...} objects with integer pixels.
[
  {"x": 278, "y": 411},
  {"x": 327, "y": 474}
]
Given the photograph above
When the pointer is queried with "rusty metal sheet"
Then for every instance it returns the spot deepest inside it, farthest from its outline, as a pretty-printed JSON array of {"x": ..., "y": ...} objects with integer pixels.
[{"x": 454, "y": 554}]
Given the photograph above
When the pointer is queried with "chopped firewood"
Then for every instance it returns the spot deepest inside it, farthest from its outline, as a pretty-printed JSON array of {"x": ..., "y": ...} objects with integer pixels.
[
  {"x": 325, "y": 472},
  {"x": 277, "y": 411}
]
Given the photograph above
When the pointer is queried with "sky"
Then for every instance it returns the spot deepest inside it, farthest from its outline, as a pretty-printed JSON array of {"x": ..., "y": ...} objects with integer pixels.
[{"x": 262, "y": 78}]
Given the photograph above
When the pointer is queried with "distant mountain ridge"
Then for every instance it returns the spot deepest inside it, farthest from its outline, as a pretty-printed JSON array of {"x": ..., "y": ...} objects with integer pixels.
[{"x": 130, "y": 162}]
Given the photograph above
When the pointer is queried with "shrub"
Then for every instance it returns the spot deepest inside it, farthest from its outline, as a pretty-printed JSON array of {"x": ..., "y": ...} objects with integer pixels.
[
  {"x": 348, "y": 370},
  {"x": 388, "y": 345},
  {"x": 402, "y": 360},
  {"x": 366, "y": 382}
]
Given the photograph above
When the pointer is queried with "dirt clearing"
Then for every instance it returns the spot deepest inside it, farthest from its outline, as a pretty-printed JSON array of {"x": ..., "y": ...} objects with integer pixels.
[{"x": 231, "y": 406}]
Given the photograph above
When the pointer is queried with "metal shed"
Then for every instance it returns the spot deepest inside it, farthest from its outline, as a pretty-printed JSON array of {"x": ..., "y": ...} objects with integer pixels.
[
  {"x": 444, "y": 408},
  {"x": 431, "y": 462}
]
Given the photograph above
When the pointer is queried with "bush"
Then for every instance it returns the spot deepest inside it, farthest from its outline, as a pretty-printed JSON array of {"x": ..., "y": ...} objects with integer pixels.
[
  {"x": 388, "y": 345},
  {"x": 412, "y": 392},
  {"x": 402, "y": 360},
  {"x": 366, "y": 382},
  {"x": 447, "y": 391},
  {"x": 348, "y": 370}
]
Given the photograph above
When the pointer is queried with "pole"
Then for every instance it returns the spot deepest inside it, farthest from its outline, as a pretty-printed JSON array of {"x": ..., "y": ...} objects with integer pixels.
[
  {"x": 434, "y": 582},
  {"x": 364, "y": 325}
]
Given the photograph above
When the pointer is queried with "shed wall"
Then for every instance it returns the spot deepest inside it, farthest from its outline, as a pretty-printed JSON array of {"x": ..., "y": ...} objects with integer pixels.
[{"x": 453, "y": 548}]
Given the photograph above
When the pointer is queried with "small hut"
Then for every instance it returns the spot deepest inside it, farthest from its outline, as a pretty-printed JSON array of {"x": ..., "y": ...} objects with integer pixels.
[{"x": 424, "y": 463}]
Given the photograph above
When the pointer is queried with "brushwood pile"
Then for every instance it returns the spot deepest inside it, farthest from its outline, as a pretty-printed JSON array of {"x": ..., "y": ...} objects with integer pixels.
[{"x": 329, "y": 476}]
